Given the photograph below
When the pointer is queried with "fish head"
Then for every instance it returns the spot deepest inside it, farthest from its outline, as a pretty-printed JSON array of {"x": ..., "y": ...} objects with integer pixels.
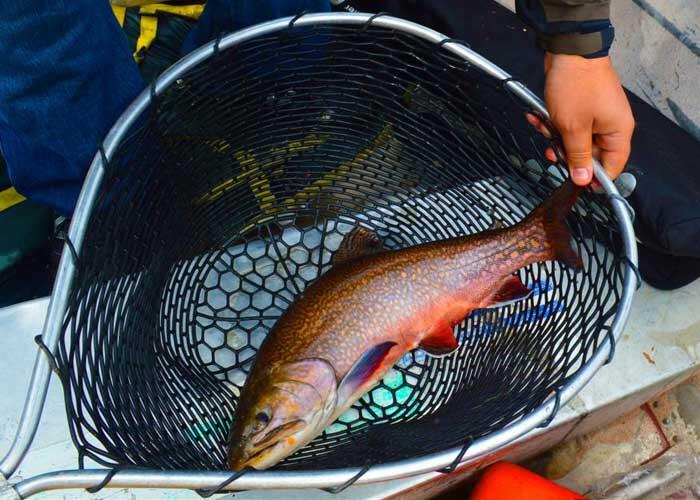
[{"x": 282, "y": 411}]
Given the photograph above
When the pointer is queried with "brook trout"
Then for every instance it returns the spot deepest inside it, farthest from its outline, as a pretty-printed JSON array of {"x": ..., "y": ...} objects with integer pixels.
[{"x": 348, "y": 328}]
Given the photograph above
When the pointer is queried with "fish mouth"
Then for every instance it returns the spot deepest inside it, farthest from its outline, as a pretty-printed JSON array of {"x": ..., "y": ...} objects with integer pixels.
[
  {"x": 277, "y": 433},
  {"x": 265, "y": 442},
  {"x": 260, "y": 451},
  {"x": 259, "y": 459}
]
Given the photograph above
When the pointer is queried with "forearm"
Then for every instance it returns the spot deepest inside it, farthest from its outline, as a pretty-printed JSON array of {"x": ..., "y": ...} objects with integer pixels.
[{"x": 579, "y": 27}]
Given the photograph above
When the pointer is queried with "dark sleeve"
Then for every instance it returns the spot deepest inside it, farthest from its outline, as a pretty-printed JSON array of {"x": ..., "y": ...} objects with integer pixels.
[{"x": 580, "y": 27}]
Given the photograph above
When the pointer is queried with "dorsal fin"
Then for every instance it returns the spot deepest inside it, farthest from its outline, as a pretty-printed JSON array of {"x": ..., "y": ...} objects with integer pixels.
[{"x": 357, "y": 243}]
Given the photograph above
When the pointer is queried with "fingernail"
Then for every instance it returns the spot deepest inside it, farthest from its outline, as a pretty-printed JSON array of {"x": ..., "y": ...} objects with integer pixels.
[{"x": 581, "y": 174}]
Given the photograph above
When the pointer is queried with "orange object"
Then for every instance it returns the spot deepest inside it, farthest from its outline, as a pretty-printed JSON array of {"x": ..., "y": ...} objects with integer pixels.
[{"x": 504, "y": 481}]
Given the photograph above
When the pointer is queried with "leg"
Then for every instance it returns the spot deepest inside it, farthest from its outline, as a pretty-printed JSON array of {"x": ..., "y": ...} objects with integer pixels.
[{"x": 66, "y": 76}]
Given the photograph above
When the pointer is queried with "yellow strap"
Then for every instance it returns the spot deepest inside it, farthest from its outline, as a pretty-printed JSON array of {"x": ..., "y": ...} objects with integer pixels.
[
  {"x": 149, "y": 23},
  {"x": 189, "y": 11},
  {"x": 9, "y": 198},
  {"x": 149, "y": 26},
  {"x": 119, "y": 13},
  {"x": 132, "y": 3},
  {"x": 254, "y": 173}
]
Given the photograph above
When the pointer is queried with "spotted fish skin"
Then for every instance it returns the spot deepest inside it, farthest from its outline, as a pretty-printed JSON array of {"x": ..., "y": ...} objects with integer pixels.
[{"x": 397, "y": 300}]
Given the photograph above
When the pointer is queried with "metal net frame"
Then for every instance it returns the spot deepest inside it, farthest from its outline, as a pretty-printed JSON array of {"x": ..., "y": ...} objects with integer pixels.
[{"x": 224, "y": 195}]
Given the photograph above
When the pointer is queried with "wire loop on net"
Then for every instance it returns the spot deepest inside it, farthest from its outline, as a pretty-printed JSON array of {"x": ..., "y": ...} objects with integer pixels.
[
  {"x": 338, "y": 489},
  {"x": 634, "y": 269},
  {"x": 217, "y": 46},
  {"x": 293, "y": 20},
  {"x": 220, "y": 487},
  {"x": 153, "y": 95},
  {"x": 103, "y": 156},
  {"x": 623, "y": 200},
  {"x": 369, "y": 21},
  {"x": 458, "y": 459},
  {"x": 105, "y": 481},
  {"x": 444, "y": 41},
  {"x": 63, "y": 235},
  {"x": 506, "y": 81},
  {"x": 555, "y": 410},
  {"x": 49, "y": 355},
  {"x": 613, "y": 344},
  {"x": 218, "y": 214}
]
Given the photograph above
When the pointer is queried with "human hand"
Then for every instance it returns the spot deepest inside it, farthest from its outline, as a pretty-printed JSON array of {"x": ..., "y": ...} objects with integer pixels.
[{"x": 589, "y": 108}]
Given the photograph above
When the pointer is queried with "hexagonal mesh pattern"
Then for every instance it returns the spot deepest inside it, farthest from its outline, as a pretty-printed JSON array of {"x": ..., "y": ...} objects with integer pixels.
[{"x": 224, "y": 202}]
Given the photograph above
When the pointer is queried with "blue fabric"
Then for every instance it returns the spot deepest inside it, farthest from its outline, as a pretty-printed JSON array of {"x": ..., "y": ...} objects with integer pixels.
[
  {"x": 66, "y": 74},
  {"x": 224, "y": 16}
]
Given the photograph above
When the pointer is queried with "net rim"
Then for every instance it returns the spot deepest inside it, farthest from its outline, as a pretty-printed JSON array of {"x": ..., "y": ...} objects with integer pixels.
[{"x": 387, "y": 471}]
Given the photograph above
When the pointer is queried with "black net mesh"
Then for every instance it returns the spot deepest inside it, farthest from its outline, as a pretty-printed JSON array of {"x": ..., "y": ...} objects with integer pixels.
[{"x": 230, "y": 196}]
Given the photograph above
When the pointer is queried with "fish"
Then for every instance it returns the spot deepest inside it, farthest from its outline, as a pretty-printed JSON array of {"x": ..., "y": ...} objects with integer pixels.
[{"x": 340, "y": 337}]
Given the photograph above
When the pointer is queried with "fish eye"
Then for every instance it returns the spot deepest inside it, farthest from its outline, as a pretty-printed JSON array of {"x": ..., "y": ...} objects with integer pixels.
[{"x": 262, "y": 418}]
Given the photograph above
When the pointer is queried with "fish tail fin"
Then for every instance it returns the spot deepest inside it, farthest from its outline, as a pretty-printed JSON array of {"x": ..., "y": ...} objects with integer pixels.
[{"x": 551, "y": 215}]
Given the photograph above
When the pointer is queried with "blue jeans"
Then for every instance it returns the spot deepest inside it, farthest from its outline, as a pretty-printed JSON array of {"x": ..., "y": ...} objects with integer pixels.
[{"x": 67, "y": 73}]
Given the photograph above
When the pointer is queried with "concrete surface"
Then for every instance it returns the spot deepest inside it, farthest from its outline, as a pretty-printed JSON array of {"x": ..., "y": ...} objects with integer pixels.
[
  {"x": 657, "y": 55},
  {"x": 647, "y": 439}
]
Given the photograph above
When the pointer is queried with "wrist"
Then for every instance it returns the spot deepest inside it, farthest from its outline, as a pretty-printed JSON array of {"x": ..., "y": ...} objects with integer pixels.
[{"x": 576, "y": 62}]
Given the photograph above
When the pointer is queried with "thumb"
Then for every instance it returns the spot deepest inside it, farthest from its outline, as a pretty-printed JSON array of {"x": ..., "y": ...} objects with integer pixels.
[{"x": 578, "y": 145}]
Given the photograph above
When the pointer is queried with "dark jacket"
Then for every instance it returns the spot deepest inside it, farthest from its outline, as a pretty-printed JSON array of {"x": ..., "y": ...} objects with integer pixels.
[{"x": 579, "y": 27}]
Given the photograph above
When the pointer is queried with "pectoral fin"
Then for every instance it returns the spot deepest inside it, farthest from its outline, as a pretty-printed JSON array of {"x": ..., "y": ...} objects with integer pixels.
[
  {"x": 362, "y": 370},
  {"x": 357, "y": 243},
  {"x": 440, "y": 340},
  {"x": 512, "y": 290}
]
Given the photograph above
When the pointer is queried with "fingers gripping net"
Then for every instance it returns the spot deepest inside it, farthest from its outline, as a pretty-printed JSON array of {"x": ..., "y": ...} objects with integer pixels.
[{"x": 229, "y": 198}]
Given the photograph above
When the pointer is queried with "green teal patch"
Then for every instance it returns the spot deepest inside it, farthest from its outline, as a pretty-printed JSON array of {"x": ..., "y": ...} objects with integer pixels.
[
  {"x": 394, "y": 379},
  {"x": 201, "y": 430},
  {"x": 382, "y": 397},
  {"x": 388, "y": 399},
  {"x": 403, "y": 394}
]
